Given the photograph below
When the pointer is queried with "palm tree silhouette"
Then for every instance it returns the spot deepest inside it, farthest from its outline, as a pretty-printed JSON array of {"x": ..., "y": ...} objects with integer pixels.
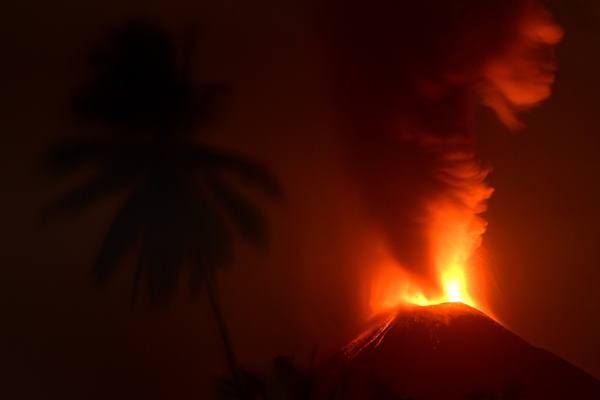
[{"x": 183, "y": 204}]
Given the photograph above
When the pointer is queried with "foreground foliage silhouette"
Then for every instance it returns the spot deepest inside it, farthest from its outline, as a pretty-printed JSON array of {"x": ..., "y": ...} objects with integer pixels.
[
  {"x": 183, "y": 202},
  {"x": 283, "y": 381}
]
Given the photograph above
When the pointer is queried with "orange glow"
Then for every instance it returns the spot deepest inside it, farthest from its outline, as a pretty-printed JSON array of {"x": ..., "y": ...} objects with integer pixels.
[
  {"x": 517, "y": 77},
  {"x": 394, "y": 287},
  {"x": 455, "y": 230},
  {"x": 523, "y": 74}
]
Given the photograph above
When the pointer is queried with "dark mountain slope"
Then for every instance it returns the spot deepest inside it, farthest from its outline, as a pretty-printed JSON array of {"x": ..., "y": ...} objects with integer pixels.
[{"x": 449, "y": 351}]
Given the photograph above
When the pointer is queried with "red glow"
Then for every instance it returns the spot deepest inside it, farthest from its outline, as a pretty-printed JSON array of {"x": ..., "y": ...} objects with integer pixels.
[
  {"x": 455, "y": 230},
  {"x": 393, "y": 287},
  {"x": 517, "y": 78}
]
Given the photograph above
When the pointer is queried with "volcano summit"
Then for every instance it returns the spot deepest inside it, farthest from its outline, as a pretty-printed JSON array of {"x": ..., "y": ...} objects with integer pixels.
[{"x": 449, "y": 351}]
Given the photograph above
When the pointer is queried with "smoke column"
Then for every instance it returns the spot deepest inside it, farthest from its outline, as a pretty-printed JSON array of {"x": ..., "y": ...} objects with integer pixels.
[{"x": 409, "y": 77}]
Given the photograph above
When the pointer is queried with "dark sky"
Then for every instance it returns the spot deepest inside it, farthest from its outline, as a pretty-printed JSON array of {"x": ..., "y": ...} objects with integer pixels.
[
  {"x": 543, "y": 218},
  {"x": 65, "y": 338}
]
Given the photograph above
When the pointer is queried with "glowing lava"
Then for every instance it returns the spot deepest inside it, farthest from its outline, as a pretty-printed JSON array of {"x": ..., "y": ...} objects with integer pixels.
[
  {"x": 394, "y": 287},
  {"x": 455, "y": 239},
  {"x": 445, "y": 206},
  {"x": 454, "y": 286},
  {"x": 455, "y": 231}
]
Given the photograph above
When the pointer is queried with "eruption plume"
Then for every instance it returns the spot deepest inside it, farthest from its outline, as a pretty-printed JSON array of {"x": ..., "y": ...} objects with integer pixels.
[{"x": 409, "y": 78}]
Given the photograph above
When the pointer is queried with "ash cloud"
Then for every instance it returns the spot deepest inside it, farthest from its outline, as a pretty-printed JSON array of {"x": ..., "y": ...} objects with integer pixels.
[{"x": 409, "y": 76}]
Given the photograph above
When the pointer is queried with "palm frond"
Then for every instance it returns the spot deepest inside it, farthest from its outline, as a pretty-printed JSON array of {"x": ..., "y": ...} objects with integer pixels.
[
  {"x": 165, "y": 237},
  {"x": 136, "y": 83},
  {"x": 245, "y": 216},
  {"x": 161, "y": 259},
  {"x": 72, "y": 203},
  {"x": 210, "y": 241},
  {"x": 197, "y": 282},
  {"x": 68, "y": 155},
  {"x": 248, "y": 171},
  {"x": 137, "y": 89},
  {"x": 124, "y": 231}
]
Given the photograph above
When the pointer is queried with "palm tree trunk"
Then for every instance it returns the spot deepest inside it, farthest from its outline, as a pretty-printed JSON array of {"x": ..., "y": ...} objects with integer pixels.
[{"x": 215, "y": 306}]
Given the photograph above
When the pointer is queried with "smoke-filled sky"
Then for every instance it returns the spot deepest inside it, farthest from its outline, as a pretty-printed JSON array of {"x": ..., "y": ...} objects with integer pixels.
[
  {"x": 408, "y": 83},
  {"x": 374, "y": 118}
]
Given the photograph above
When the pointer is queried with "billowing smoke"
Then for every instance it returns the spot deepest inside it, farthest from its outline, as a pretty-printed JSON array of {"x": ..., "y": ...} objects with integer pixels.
[{"x": 409, "y": 76}]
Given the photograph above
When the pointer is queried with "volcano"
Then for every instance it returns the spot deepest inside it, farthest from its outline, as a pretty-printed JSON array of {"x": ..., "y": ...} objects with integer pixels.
[{"x": 449, "y": 351}]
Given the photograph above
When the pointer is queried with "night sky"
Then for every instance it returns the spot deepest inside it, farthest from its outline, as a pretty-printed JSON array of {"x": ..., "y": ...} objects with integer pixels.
[{"x": 63, "y": 337}]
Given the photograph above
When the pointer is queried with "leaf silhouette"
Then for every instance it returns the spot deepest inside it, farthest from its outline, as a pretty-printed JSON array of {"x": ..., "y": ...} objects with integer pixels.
[
  {"x": 249, "y": 220},
  {"x": 123, "y": 232},
  {"x": 84, "y": 195},
  {"x": 176, "y": 210}
]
